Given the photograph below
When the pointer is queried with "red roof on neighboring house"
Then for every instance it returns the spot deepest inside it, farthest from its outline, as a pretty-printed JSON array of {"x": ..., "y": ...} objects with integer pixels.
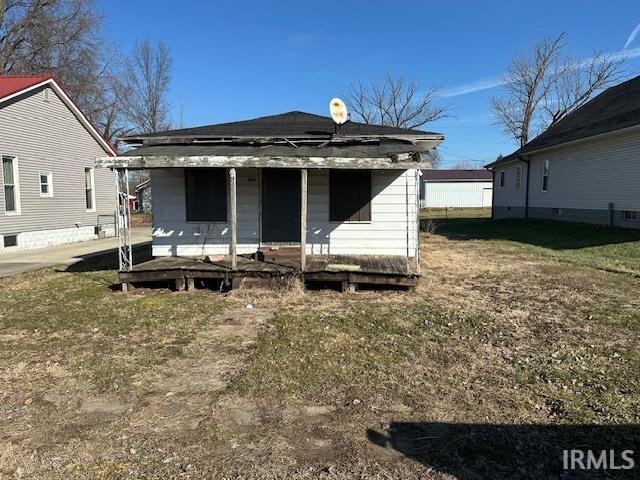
[
  {"x": 456, "y": 175},
  {"x": 13, "y": 84},
  {"x": 10, "y": 84}
]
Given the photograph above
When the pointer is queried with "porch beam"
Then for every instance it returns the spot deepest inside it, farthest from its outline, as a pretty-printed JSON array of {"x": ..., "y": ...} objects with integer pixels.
[
  {"x": 303, "y": 219},
  {"x": 395, "y": 162},
  {"x": 234, "y": 217}
]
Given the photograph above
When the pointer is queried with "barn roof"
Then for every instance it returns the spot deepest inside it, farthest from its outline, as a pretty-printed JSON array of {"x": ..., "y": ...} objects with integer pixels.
[
  {"x": 616, "y": 108},
  {"x": 457, "y": 175}
]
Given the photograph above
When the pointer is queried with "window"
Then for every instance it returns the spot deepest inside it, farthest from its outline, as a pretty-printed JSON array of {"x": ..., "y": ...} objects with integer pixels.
[
  {"x": 518, "y": 178},
  {"x": 10, "y": 183},
  {"x": 89, "y": 190},
  {"x": 46, "y": 184},
  {"x": 10, "y": 241},
  {"x": 545, "y": 175},
  {"x": 557, "y": 212},
  {"x": 206, "y": 194},
  {"x": 350, "y": 195},
  {"x": 502, "y": 178},
  {"x": 630, "y": 215}
]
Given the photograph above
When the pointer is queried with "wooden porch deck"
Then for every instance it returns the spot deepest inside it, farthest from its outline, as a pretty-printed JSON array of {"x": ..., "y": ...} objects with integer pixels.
[{"x": 349, "y": 270}]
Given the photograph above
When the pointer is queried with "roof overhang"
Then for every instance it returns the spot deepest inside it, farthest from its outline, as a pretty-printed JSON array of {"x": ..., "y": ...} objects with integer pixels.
[
  {"x": 71, "y": 105},
  {"x": 398, "y": 162}
]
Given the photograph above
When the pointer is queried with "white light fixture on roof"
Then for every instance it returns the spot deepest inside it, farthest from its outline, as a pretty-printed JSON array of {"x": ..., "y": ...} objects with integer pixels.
[{"x": 338, "y": 111}]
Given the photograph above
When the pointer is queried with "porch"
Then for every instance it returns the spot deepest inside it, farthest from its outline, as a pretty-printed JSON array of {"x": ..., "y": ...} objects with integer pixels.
[{"x": 348, "y": 272}]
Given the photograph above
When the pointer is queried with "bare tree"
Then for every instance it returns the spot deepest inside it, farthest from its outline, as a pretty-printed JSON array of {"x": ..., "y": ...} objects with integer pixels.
[
  {"x": 395, "y": 102},
  {"x": 148, "y": 77},
  {"x": 546, "y": 84},
  {"x": 61, "y": 37},
  {"x": 111, "y": 107}
]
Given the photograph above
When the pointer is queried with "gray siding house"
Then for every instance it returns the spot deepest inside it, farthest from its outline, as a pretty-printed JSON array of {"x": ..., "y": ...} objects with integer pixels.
[
  {"x": 585, "y": 168},
  {"x": 51, "y": 193}
]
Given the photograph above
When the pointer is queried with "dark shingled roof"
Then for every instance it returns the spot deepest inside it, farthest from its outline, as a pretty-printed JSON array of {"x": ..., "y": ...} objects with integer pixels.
[
  {"x": 290, "y": 124},
  {"x": 614, "y": 109},
  {"x": 352, "y": 151},
  {"x": 456, "y": 175}
]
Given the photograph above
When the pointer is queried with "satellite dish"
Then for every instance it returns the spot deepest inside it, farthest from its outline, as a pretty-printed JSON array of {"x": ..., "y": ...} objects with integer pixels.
[{"x": 338, "y": 111}]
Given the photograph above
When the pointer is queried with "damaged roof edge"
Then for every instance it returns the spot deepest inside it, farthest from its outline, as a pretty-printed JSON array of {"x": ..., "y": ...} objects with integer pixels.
[{"x": 399, "y": 162}]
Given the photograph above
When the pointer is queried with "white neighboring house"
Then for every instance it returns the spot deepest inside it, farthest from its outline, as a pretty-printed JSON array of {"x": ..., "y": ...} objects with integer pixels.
[
  {"x": 51, "y": 193},
  {"x": 585, "y": 168},
  {"x": 456, "y": 188}
]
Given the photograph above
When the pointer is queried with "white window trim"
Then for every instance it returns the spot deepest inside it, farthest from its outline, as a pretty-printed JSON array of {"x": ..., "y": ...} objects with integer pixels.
[
  {"x": 16, "y": 183},
  {"x": 93, "y": 188},
  {"x": 548, "y": 168},
  {"x": 49, "y": 176},
  {"x": 502, "y": 175}
]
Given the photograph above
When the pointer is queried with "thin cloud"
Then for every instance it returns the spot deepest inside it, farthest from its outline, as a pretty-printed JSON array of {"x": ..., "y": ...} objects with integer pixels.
[
  {"x": 471, "y": 87},
  {"x": 493, "y": 82},
  {"x": 632, "y": 36}
]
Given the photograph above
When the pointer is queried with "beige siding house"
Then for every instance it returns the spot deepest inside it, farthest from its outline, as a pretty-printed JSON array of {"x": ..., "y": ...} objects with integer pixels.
[
  {"x": 585, "y": 168},
  {"x": 51, "y": 193}
]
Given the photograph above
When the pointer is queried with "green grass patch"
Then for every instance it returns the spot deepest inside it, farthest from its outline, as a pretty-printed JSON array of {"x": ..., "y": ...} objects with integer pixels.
[
  {"x": 446, "y": 213},
  {"x": 610, "y": 249}
]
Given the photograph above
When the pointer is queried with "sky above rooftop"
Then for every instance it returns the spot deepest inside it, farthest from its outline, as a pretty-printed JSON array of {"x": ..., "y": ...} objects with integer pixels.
[{"x": 239, "y": 60}]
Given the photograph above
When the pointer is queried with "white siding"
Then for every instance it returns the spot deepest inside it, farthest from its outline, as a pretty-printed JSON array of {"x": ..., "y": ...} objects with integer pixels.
[
  {"x": 392, "y": 222},
  {"x": 590, "y": 174},
  {"x": 509, "y": 195},
  {"x": 455, "y": 194},
  {"x": 47, "y": 137},
  {"x": 508, "y": 200},
  {"x": 393, "y": 217},
  {"x": 173, "y": 235}
]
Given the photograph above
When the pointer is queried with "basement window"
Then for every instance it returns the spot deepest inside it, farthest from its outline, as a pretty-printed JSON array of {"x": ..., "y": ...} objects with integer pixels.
[
  {"x": 350, "y": 195},
  {"x": 557, "y": 211},
  {"x": 10, "y": 241},
  {"x": 206, "y": 194},
  {"x": 631, "y": 215}
]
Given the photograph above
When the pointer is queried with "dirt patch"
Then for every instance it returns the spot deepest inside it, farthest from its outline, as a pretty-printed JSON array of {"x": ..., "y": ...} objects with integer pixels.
[{"x": 497, "y": 347}]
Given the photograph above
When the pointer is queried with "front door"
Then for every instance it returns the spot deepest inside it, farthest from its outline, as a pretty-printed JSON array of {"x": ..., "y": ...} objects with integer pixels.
[{"x": 281, "y": 206}]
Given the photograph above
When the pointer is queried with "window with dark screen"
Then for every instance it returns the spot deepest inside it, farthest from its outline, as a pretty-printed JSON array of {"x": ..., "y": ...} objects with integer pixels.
[
  {"x": 350, "y": 195},
  {"x": 206, "y": 194}
]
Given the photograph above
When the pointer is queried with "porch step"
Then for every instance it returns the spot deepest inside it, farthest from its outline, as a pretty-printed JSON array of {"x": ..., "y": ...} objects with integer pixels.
[{"x": 270, "y": 254}]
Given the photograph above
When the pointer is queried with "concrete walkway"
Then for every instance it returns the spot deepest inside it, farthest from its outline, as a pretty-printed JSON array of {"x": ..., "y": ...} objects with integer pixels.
[{"x": 26, "y": 260}]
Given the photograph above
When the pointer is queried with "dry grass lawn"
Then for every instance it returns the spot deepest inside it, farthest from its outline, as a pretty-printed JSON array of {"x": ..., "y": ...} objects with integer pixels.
[{"x": 504, "y": 355}]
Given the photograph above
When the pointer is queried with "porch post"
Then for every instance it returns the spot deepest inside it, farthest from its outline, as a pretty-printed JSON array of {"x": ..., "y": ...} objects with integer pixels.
[
  {"x": 234, "y": 218},
  {"x": 303, "y": 219}
]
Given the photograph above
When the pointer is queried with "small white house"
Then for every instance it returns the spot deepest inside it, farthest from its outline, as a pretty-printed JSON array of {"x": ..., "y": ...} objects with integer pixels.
[
  {"x": 343, "y": 204},
  {"x": 585, "y": 168},
  {"x": 456, "y": 188}
]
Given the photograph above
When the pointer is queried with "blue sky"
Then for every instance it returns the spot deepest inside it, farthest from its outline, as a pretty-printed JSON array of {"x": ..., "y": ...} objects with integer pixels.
[{"x": 238, "y": 60}]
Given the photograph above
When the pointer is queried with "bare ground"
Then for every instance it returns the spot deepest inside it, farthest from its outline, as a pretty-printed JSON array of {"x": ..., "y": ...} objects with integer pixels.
[{"x": 497, "y": 347}]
